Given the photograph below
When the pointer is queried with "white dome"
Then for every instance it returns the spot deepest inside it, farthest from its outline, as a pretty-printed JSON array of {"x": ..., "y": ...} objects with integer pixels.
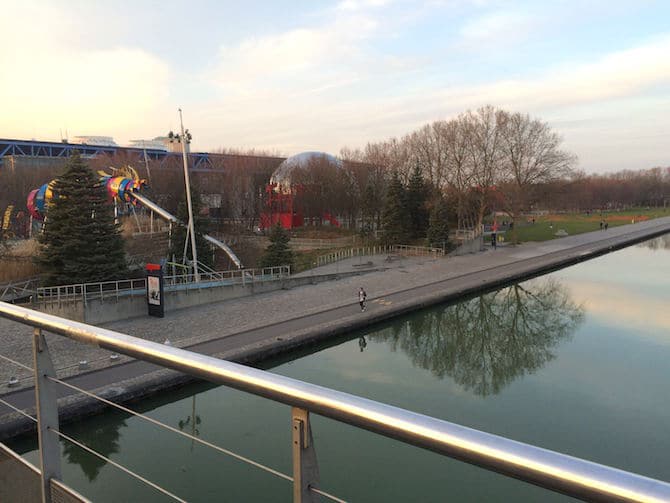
[{"x": 282, "y": 175}]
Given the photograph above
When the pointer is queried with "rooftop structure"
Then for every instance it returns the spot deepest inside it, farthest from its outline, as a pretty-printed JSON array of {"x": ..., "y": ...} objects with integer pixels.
[
  {"x": 102, "y": 141},
  {"x": 282, "y": 178}
]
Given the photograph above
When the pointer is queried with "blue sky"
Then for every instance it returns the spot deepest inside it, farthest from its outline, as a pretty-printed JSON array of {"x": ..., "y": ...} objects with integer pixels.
[{"x": 295, "y": 76}]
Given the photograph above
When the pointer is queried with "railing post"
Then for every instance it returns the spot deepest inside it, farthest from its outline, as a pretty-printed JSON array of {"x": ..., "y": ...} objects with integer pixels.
[
  {"x": 47, "y": 414},
  {"x": 305, "y": 466}
]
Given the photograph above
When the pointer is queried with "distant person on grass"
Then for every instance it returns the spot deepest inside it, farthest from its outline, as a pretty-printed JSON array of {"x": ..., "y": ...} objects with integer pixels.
[{"x": 362, "y": 296}]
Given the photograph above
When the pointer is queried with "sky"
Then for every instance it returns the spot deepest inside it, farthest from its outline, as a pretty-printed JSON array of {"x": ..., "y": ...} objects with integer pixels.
[{"x": 287, "y": 77}]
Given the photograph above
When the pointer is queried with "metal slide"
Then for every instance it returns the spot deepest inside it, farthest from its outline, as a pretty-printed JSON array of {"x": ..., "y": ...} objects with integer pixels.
[{"x": 147, "y": 203}]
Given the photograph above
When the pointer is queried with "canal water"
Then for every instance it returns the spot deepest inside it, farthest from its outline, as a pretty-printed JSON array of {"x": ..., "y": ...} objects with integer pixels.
[{"x": 577, "y": 361}]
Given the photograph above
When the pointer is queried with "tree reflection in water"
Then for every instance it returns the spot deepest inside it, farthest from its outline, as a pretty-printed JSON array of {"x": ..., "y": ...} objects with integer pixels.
[
  {"x": 487, "y": 342},
  {"x": 102, "y": 438},
  {"x": 659, "y": 243}
]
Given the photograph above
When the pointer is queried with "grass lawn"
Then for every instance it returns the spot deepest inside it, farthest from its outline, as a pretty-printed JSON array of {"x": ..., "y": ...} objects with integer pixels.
[{"x": 546, "y": 226}]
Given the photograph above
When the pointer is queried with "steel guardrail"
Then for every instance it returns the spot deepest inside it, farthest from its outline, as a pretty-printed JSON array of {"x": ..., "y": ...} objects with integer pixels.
[{"x": 558, "y": 472}]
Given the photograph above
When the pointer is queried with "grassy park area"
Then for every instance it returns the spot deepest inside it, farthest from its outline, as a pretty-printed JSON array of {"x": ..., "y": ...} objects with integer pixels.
[{"x": 546, "y": 226}]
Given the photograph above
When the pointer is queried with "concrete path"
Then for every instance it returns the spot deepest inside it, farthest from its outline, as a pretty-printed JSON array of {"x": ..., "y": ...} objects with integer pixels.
[{"x": 250, "y": 328}]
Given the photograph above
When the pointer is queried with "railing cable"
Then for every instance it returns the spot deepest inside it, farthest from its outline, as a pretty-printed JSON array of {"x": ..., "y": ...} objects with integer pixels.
[
  {"x": 163, "y": 425},
  {"x": 17, "y": 363},
  {"x": 16, "y": 409},
  {"x": 326, "y": 495},
  {"x": 120, "y": 467},
  {"x": 174, "y": 430}
]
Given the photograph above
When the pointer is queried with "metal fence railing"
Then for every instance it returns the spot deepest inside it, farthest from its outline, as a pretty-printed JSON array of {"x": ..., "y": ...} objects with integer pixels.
[
  {"x": 362, "y": 251},
  {"x": 554, "y": 471},
  {"x": 114, "y": 290},
  {"x": 467, "y": 234},
  {"x": 18, "y": 289},
  {"x": 87, "y": 292},
  {"x": 231, "y": 277}
]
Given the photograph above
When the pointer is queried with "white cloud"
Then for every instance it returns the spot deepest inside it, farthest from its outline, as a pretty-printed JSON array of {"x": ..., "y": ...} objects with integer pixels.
[
  {"x": 499, "y": 29},
  {"x": 57, "y": 81},
  {"x": 345, "y": 80},
  {"x": 302, "y": 59},
  {"x": 288, "y": 72},
  {"x": 354, "y": 5}
]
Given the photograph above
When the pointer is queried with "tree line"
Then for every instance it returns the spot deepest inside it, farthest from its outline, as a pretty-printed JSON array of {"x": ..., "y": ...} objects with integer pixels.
[{"x": 480, "y": 160}]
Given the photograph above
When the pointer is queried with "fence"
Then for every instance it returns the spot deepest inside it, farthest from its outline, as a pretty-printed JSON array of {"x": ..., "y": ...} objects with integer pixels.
[
  {"x": 467, "y": 234},
  {"x": 404, "y": 250},
  {"x": 231, "y": 277},
  {"x": 114, "y": 290},
  {"x": 557, "y": 472},
  {"x": 314, "y": 244},
  {"x": 18, "y": 289}
]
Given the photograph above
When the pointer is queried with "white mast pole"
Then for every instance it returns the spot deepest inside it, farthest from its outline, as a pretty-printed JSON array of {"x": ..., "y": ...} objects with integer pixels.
[{"x": 188, "y": 200}]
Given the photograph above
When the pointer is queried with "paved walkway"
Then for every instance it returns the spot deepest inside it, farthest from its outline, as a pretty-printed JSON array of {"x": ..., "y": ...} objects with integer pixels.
[{"x": 249, "y": 323}]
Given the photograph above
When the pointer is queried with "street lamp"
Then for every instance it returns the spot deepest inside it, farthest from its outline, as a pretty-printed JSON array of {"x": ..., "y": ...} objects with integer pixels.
[{"x": 185, "y": 138}]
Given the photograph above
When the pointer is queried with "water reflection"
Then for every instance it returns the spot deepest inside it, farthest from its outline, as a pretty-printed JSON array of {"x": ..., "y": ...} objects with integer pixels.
[
  {"x": 103, "y": 437},
  {"x": 660, "y": 243},
  {"x": 487, "y": 342}
]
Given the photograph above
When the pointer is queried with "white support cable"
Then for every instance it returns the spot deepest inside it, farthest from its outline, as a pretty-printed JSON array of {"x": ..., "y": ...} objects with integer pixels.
[
  {"x": 326, "y": 495},
  {"x": 163, "y": 425},
  {"x": 102, "y": 358},
  {"x": 17, "y": 363},
  {"x": 120, "y": 467},
  {"x": 18, "y": 410},
  {"x": 175, "y": 430}
]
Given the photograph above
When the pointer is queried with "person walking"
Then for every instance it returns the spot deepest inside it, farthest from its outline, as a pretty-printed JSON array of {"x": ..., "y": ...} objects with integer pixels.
[{"x": 362, "y": 296}]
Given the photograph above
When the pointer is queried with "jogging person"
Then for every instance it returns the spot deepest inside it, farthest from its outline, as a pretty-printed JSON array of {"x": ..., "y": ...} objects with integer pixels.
[{"x": 361, "y": 298}]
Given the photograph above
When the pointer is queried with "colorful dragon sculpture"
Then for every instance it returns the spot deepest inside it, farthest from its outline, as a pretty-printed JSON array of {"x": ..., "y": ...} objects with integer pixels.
[{"x": 121, "y": 184}]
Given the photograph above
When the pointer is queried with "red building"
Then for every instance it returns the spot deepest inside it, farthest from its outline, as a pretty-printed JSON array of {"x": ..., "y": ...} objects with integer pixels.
[{"x": 282, "y": 193}]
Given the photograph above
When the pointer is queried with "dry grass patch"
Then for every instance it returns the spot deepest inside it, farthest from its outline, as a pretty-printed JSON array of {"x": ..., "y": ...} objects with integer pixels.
[{"x": 16, "y": 260}]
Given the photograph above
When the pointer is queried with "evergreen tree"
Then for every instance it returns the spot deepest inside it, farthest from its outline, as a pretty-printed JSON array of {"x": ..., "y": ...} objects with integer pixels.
[
  {"x": 201, "y": 226},
  {"x": 438, "y": 229},
  {"x": 417, "y": 195},
  {"x": 395, "y": 219},
  {"x": 278, "y": 251},
  {"x": 80, "y": 243}
]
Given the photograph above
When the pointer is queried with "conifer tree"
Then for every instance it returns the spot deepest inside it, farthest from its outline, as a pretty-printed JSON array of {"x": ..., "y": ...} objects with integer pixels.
[
  {"x": 278, "y": 251},
  {"x": 416, "y": 198},
  {"x": 81, "y": 242},
  {"x": 201, "y": 226},
  {"x": 438, "y": 229},
  {"x": 395, "y": 219}
]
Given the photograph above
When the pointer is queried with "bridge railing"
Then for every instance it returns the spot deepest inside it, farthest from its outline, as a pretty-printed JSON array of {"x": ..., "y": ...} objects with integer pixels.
[
  {"x": 362, "y": 251},
  {"x": 232, "y": 277},
  {"x": 108, "y": 290},
  {"x": 551, "y": 470}
]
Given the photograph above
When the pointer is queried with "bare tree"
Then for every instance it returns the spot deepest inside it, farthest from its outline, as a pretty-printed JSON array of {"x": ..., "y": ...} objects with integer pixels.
[
  {"x": 531, "y": 155},
  {"x": 484, "y": 131}
]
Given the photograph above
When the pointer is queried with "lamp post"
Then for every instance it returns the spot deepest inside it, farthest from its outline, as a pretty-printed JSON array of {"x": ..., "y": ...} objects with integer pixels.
[{"x": 185, "y": 138}]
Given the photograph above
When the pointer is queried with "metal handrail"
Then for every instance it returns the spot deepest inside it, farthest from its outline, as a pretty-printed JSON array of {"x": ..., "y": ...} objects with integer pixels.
[
  {"x": 374, "y": 250},
  {"x": 112, "y": 289},
  {"x": 548, "y": 469}
]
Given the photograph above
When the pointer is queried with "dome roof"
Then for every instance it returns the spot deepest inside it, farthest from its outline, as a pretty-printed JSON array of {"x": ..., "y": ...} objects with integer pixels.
[{"x": 282, "y": 175}]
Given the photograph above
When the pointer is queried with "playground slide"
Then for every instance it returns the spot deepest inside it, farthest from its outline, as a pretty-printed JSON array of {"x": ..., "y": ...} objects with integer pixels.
[{"x": 147, "y": 203}]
